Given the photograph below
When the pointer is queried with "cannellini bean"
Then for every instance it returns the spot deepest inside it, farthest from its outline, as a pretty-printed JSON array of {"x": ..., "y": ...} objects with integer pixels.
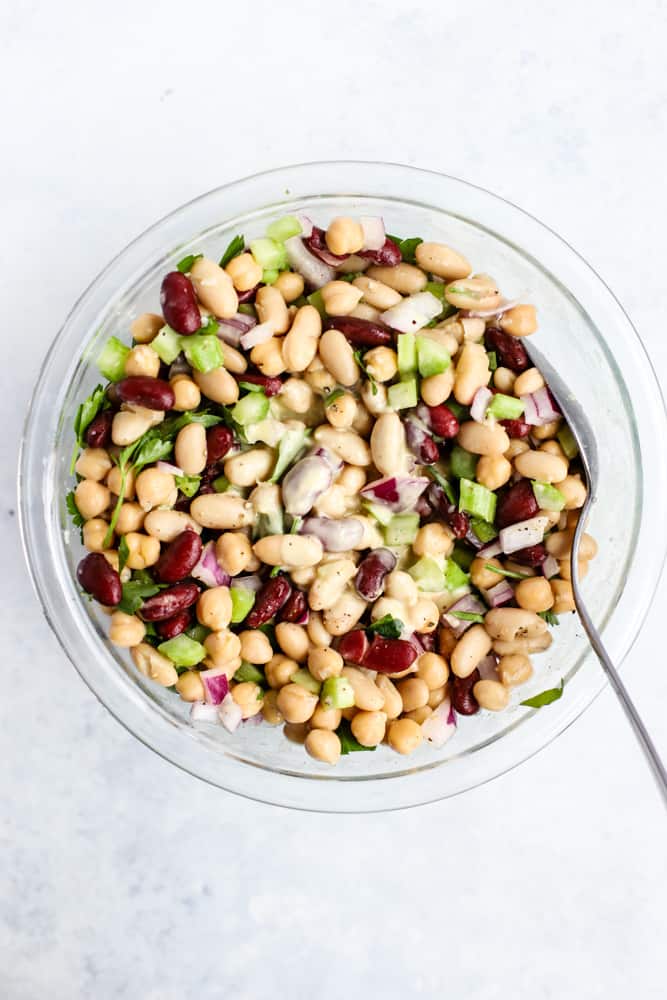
[
  {"x": 388, "y": 444},
  {"x": 340, "y": 297},
  {"x": 479, "y": 292},
  {"x": 269, "y": 357},
  {"x": 218, "y": 385},
  {"x": 540, "y": 465},
  {"x": 376, "y": 293},
  {"x": 471, "y": 649},
  {"x": 300, "y": 345},
  {"x": 344, "y": 614},
  {"x": 190, "y": 449},
  {"x": 221, "y": 510},
  {"x": 289, "y": 550},
  {"x": 249, "y": 467},
  {"x": 367, "y": 695},
  {"x": 153, "y": 664},
  {"x": 520, "y": 321},
  {"x": 507, "y": 624},
  {"x": 166, "y": 525},
  {"x": 484, "y": 439},
  {"x": 214, "y": 287},
  {"x": 436, "y": 389},
  {"x": 330, "y": 582},
  {"x": 338, "y": 356},
  {"x": 472, "y": 372},
  {"x": 442, "y": 260},
  {"x": 271, "y": 308},
  {"x": 404, "y": 278},
  {"x": 347, "y": 445}
]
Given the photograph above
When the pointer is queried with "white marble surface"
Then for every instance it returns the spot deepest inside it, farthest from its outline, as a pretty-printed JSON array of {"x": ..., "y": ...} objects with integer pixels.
[{"x": 122, "y": 877}]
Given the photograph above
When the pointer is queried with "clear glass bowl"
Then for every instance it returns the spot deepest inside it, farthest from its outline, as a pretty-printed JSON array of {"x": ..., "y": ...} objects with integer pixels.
[{"x": 583, "y": 331}]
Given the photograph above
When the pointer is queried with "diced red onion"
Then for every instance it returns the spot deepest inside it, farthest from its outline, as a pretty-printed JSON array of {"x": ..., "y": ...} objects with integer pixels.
[
  {"x": 230, "y": 330},
  {"x": 413, "y": 313},
  {"x": 201, "y": 711},
  {"x": 336, "y": 534},
  {"x": 216, "y": 685},
  {"x": 305, "y": 223},
  {"x": 252, "y": 582},
  {"x": 230, "y": 714},
  {"x": 539, "y": 408},
  {"x": 480, "y": 401},
  {"x": 315, "y": 271},
  {"x": 168, "y": 467},
  {"x": 487, "y": 668},
  {"x": 523, "y": 534},
  {"x": 550, "y": 567},
  {"x": 259, "y": 334},
  {"x": 491, "y": 550},
  {"x": 374, "y": 234},
  {"x": 440, "y": 726},
  {"x": 468, "y": 603},
  {"x": 501, "y": 593},
  {"x": 504, "y": 305},
  {"x": 398, "y": 493},
  {"x": 208, "y": 569},
  {"x": 333, "y": 461}
]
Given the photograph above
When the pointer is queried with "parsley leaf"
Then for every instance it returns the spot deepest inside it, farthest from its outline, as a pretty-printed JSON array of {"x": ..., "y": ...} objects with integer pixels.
[
  {"x": 73, "y": 510},
  {"x": 467, "y": 616},
  {"x": 545, "y": 697},
  {"x": 333, "y": 396},
  {"x": 185, "y": 265},
  {"x": 135, "y": 593},
  {"x": 549, "y": 617},
  {"x": 348, "y": 744},
  {"x": 359, "y": 358},
  {"x": 387, "y": 627},
  {"x": 349, "y": 277},
  {"x": 236, "y": 247},
  {"x": 407, "y": 247},
  {"x": 442, "y": 482},
  {"x": 188, "y": 485},
  {"x": 123, "y": 553},
  {"x": 507, "y": 572},
  {"x": 85, "y": 415}
]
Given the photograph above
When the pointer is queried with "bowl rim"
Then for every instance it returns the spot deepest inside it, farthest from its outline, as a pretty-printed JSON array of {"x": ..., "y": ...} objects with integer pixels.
[{"x": 22, "y": 477}]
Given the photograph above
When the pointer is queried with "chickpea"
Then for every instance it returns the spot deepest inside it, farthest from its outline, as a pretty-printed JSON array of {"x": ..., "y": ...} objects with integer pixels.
[
  {"x": 112, "y": 557},
  {"x": 339, "y": 297},
  {"x": 517, "y": 447},
  {"x": 344, "y": 236},
  {"x": 546, "y": 431},
  {"x": 393, "y": 704},
  {"x": 293, "y": 640},
  {"x": 401, "y": 587},
  {"x": 414, "y": 693},
  {"x": 382, "y": 363},
  {"x": 529, "y": 381},
  {"x": 244, "y": 271},
  {"x": 279, "y": 669},
  {"x": 433, "y": 539},
  {"x": 92, "y": 498},
  {"x": 553, "y": 448},
  {"x": 214, "y": 609},
  {"x": 94, "y": 534},
  {"x": 433, "y": 670},
  {"x": 504, "y": 379},
  {"x": 574, "y": 491},
  {"x": 519, "y": 321},
  {"x": 255, "y": 647},
  {"x": 563, "y": 596},
  {"x": 233, "y": 551},
  {"x": 437, "y": 696},
  {"x": 248, "y": 696},
  {"x": 142, "y": 360},
  {"x": 146, "y": 327},
  {"x": 420, "y": 714},
  {"x": 297, "y": 395},
  {"x": 187, "y": 395},
  {"x": 565, "y": 569},
  {"x": 363, "y": 420},
  {"x": 93, "y": 463},
  {"x": 404, "y": 735},
  {"x": 324, "y": 745},
  {"x": 126, "y": 630},
  {"x": 144, "y": 550},
  {"x": 483, "y": 577},
  {"x": 493, "y": 471},
  {"x": 114, "y": 480},
  {"x": 290, "y": 285},
  {"x": 324, "y": 662},
  {"x": 342, "y": 411},
  {"x": 351, "y": 479},
  {"x": 514, "y": 669},
  {"x": 368, "y": 728},
  {"x": 295, "y": 703},
  {"x": 190, "y": 686},
  {"x": 155, "y": 488},
  {"x": 224, "y": 649},
  {"x": 270, "y": 711},
  {"x": 491, "y": 695},
  {"x": 534, "y": 594},
  {"x": 130, "y": 518},
  {"x": 326, "y": 718}
]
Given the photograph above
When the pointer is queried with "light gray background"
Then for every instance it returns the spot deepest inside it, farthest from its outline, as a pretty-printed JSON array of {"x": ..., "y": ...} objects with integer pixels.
[{"x": 122, "y": 877}]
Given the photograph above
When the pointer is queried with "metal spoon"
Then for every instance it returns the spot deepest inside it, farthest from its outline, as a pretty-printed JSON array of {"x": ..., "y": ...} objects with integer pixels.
[{"x": 588, "y": 454}]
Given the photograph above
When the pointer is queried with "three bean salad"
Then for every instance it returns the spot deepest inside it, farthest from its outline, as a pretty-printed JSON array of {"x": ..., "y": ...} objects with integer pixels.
[{"x": 324, "y": 488}]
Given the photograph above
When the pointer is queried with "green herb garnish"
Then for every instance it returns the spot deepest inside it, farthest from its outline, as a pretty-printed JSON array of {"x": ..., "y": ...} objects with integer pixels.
[
  {"x": 348, "y": 744},
  {"x": 85, "y": 415},
  {"x": 507, "y": 572},
  {"x": 407, "y": 247},
  {"x": 236, "y": 247},
  {"x": 333, "y": 396},
  {"x": 467, "y": 616},
  {"x": 135, "y": 592},
  {"x": 441, "y": 481},
  {"x": 123, "y": 553},
  {"x": 188, "y": 485},
  {"x": 359, "y": 358},
  {"x": 388, "y": 627},
  {"x": 185, "y": 265},
  {"x": 549, "y": 617},
  {"x": 73, "y": 510},
  {"x": 545, "y": 697}
]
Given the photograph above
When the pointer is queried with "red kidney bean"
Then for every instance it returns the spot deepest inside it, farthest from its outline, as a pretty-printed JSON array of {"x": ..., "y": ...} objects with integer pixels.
[
  {"x": 420, "y": 443},
  {"x": 372, "y": 570},
  {"x": 456, "y": 520},
  {"x": 98, "y": 432},
  {"x": 219, "y": 440},
  {"x": 295, "y": 608},
  {"x": 99, "y": 578},
  {"x": 317, "y": 245},
  {"x": 183, "y": 502},
  {"x": 389, "y": 656},
  {"x": 388, "y": 255},
  {"x": 440, "y": 419},
  {"x": 142, "y": 390},
  {"x": 359, "y": 332},
  {"x": 172, "y": 627},
  {"x": 270, "y": 599},
  {"x": 169, "y": 602},
  {"x": 510, "y": 352},
  {"x": 353, "y": 646},
  {"x": 271, "y": 385},
  {"x": 247, "y": 295},
  {"x": 533, "y": 556},
  {"x": 179, "y": 558},
  {"x": 422, "y": 507},
  {"x": 463, "y": 699},
  {"x": 516, "y": 428},
  {"x": 179, "y": 303},
  {"x": 517, "y": 504}
]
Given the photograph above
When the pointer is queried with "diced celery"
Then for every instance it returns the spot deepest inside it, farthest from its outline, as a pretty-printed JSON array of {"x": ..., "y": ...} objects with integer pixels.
[
  {"x": 402, "y": 395},
  {"x": 306, "y": 680},
  {"x": 270, "y": 523},
  {"x": 455, "y": 577},
  {"x": 504, "y": 407},
  {"x": 460, "y": 412},
  {"x": 381, "y": 513},
  {"x": 428, "y": 575},
  {"x": 182, "y": 650},
  {"x": 270, "y": 276},
  {"x": 402, "y": 529},
  {"x": 111, "y": 361},
  {"x": 167, "y": 345},
  {"x": 493, "y": 360},
  {"x": 436, "y": 288},
  {"x": 484, "y": 531},
  {"x": 248, "y": 309},
  {"x": 567, "y": 442},
  {"x": 462, "y": 556},
  {"x": 290, "y": 447},
  {"x": 433, "y": 358},
  {"x": 282, "y": 229},
  {"x": 548, "y": 497},
  {"x": 337, "y": 692},
  {"x": 198, "y": 632},
  {"x": 242, "y": 601},
  {"x": 221, "y": 484},
  {"x": 315, "y": 299},
  {"x": 475, "y": 499},
  {"x": 462, "y": 464},
  {"x": 269, "y": 254},
  {"x": 203, "y": 352},
  {"x": 407, "y": 353},
  {"x": 251, "y": 409},
  {"x": 249, "y": 672}
]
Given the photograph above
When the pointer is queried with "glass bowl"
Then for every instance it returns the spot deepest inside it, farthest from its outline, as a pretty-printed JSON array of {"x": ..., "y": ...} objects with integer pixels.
[{"x": 583, "y": 331}]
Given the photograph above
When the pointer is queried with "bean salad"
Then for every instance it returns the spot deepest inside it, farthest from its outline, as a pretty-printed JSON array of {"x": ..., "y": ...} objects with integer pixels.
[{"x": 325, "y": 488}]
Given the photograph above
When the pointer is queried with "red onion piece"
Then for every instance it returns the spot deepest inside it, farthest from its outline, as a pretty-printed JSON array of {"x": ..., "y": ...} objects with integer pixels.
[
  {"x": 440, "y": 725},
  {"x": 470, "y": 605},
  {"x": 481, "y": 400},
  {"x": 201, "y": 711},
  {"x": 398, "y": 493},
  {"x": 317, "y": 245},
  {"x": 306, "y": 224},
  {"x": 252, "y": 582},
  {"x": 230, "y": 714},
  {"x": 550, "y": 567},
  {"x": 373, "y": 229},
  {"x": 489, "y": 551},
  {"x": 168, "y": 467},
  {"x": 314, "y": 271},
  {"x": 523, "y": 534},
  {"x": 259, "y": 334},
  {"x": 501, "y": 593},
  {"x": 539, "y": 408},
  {"x": 208, "y": 570},
  {"x": 230, "y": 330},
  {"x": 216, "y": 685}
]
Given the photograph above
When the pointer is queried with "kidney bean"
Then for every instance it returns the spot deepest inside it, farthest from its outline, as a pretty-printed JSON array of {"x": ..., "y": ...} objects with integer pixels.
[
  {"x": 388, "y": 255},
  {"x": 359, "y": 332},
  {"x": 421, "y": 444},
  {"x": 179, "y": 303},
  {"x": 99, "y": 578},
  {"x": 172, "y": 627},
  {"x": 169, "y": 602},
  {"x": 98, "y": 432},
  {"x": 271, "y": 385},
  {"x": 516, "y": 428},
  {"x": 510, "y": 352},
  {"x": 183, "y": 502},
  {"x": 422, "y": 507},
  {"x": 533, "y": 556},
  {"x": 247, "y": 295},
  {"x": 179, "y": 558},
  {"x": 463, "y": 699},
  {"x": 317, "y": 245},
  {"x": 219, "y": 440},
  {"x": 353, "y": 646},
  {"x": 389, "y": 656},
  {"x": 270, "y": 599},
  {"x": 295, "y": 608},
  {"x": 141, "y": 390},
  {"x": 440, "y": 419},
  {"x": 372, "y": 570},
  {"x": 517, "y": 504},
  {"x": 457, "y": 521}
]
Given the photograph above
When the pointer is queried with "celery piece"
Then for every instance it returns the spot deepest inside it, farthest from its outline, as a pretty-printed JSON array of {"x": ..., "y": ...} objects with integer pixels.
[
  {"x": 111, "y": 361},
  {"x": 504, "y": 407},
  {"x": 269, "y": 254},
  {"x": 203, "y": 352},
  {"x": 250, "y": 409},
  {"x": 221, "y": 484},
  {"x": 402, "y": 395},
  {"x": 167, "y": 345},
  {"x": 305, "y": 679},
  {"x": 567, "y": 442},
  {"x": 547, "y": 496},
  {"x": 270, "y": 276},
  {"x": 242, "y": 601},
  {"x": 455, "y": 577},
  {"x": 249, "y": 672},
  {"x": 379, "y": 511},
  {"x": 428, "y": 575},
  {"x": 290, "y": 447},
  {"x": 282, "y": 229},
  {"x": 475, "y": 499},
  {"x": 337, "y": 692},
  {"x": 462, "y": 556},
  {"x": 407, "y": 353},
  {"x": 402, "y": 529},
  {"x": 462, "y": 464},
  {"x": 484, "y": 531},
  {"x": 182, "y": 650},
  {"x": 433, "y": 358},
  {"x": 315, "y": 299}
]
